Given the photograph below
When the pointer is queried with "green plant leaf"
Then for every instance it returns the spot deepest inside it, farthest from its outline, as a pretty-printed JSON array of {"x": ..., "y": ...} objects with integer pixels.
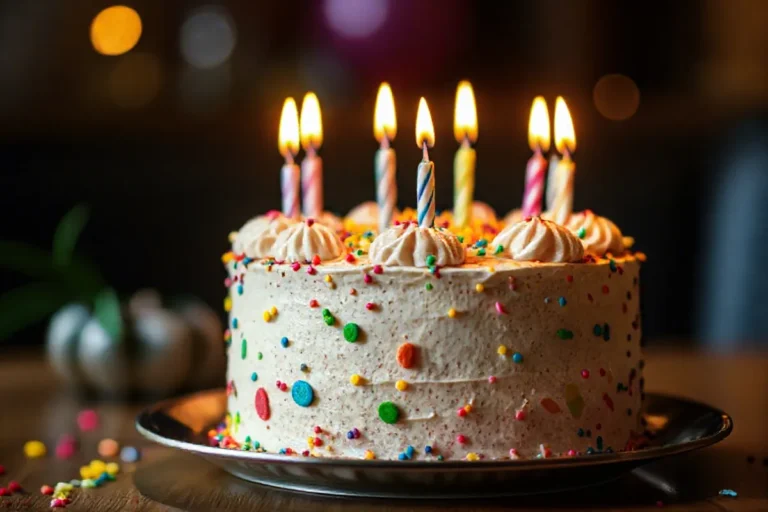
[
  {"x": 67, "y": 233},
  {"x": 27, "y": 305},
  {"x": 26, "y": 259},
  {"x": 106, "y": 309}
]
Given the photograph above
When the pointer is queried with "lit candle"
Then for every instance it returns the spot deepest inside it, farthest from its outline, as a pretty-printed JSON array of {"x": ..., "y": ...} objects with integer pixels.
[
  {"x": 554, "y": 159},
  {"x": 385, "y": 164},
  {"x": 288, "y": 144},
  {"x": 538, "y": 140},
  {"x": 312, "y": 165},
  {"x": 465, "y": 131},
  {"x": 425, "y": 177},
  {"x": 565, "y": 142}
]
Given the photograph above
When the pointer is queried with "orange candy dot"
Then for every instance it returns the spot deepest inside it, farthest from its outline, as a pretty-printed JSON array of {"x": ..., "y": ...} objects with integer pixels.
[{"x": 406, "y": 353}]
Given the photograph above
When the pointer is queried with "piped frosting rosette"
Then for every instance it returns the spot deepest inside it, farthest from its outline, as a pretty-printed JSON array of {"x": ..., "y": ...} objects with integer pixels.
[
  {"x": 409, "y": 245},
  {"x": 598, "y": 234},
  {"x": 303, "y": 241},
  {"x": 257, "y": 236},
  {"x": 536, "y": 239}
]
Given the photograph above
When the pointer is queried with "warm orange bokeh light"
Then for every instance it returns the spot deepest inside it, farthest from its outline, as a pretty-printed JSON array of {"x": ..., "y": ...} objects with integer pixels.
[
  {"x": 425, "y": 130},
  {"x": 288, "y": 134},
  {"x": 538, "y": 125},
  {"x": 115, "y": 30},
  {"x": 465, "y": 113},
  {"x": 311, "y": 123},
  {"x": 384, "y": 119},
  {"x": 565, "y": 136}
]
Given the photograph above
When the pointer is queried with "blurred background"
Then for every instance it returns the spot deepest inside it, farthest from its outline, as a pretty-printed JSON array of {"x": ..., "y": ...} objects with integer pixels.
[{"x": 169, "y": 131}]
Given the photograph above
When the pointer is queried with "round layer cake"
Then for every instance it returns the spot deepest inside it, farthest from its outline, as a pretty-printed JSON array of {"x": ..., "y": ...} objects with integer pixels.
[{"x": 424, "y": 348}]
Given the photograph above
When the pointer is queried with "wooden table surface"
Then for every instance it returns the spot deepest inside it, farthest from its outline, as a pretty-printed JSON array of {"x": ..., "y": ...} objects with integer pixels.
[{"x": 35, "y": 406}]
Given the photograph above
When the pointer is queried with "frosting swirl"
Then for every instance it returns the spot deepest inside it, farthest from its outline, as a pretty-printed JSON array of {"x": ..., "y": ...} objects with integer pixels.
[
  {"x": 303, "y": 240},
  {"x": 408, "y": 245},
  {"x": 257, "y": 236},
  {"x": 598, "y": 234},
  {"x": 537, "y": 239}
]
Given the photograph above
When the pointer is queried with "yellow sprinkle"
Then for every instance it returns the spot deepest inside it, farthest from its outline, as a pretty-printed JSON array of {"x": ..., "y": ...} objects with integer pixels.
[
  {"x": 468, "y": 408},
  {"x": 502, "y": 350},
  {"x": 473, "y": 456},
  {"x": 328, "y": 279},
  {"x": 328, "y": 448},
  {"x": 113, "y": 468},
  {"x": 355, "y": 380},
  {"x": 273, "y": 311},
  {"x": 401, "y": 385},
  {"x": 491, "y": 269},
  {"x": 98, "y": 467},
  {"x": 34, "y": 449},
  {"x": 452, "y": 313},
  {"x": 85, "y": 472},
  {"x": 227, "y": 257},
  {"x": 267, "y": 316},
  {"x": 369, "y": 455},
  {"x": 479, "y": 288},
  {"x": 228, "y": 304},
  {"x": 310, "y": 442}
]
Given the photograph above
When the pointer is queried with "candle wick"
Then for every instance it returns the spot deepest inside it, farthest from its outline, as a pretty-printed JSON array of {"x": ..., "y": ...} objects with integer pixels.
[
  {"x": 566, "y": 153},
  {"x": 384, "y": 142},
  {"x": 425, "y": 155},
  {"x": 465, "y": 143},
  {"x": 288, "y": 158},
  {"x": 311, "y": 152}
]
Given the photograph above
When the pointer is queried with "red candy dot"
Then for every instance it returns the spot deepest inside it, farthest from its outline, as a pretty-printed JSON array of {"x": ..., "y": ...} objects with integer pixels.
[
  {"x": 571, "y": 452},
  {"x": 316, "y": 259},
  {"x": 47, "y": 490},
  {"x": 305, "y": 453},
  {"x": 295, "y": 266},
  {"x": 262, "y": 404},
  {"x": 569, "y": 278},
  {"x": 288, "y": 451},
  {"x": 602, "y": 372},
  {"x": 14, "y": 486},
  {"x": 350, "y": 258},
  {"x": 367, "y": 279},
  {"x": 310, "y": 222},
  {"x": 317, "y": 429},
  {"x": 461, "y": 412},
  {"x": 370, "y": 306},
  {"x": 461, "y": 439},
  {"x": 313, "y": 303},
  {"x": 88, "y": 420},
  {"x": 311, "y": 270},
  {"x": 317, "y": 441},
  {"x": 377, "y": 269},
  {"x": 283, "y": 386},
  {"x": 2, "y": 469},
  {"x": 520, "y": 415},
  {"x": 492, "y": 379},
  {"x": 605, "y": 289},
  {"x": 4, "y": 492},
  {"x": 584, "y": 374}
]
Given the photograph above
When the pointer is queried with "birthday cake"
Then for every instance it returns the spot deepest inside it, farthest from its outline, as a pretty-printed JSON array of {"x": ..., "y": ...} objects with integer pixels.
[{"x": 431, "y": 341}]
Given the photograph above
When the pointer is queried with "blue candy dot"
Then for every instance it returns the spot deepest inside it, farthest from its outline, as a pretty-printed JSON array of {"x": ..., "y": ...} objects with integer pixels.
[
  {"x": 284, "y": 341},
  {"x": 427, "y": 449},
  {"x": 239, "y": 289},
  {"x": 517, "y": 357},
  {"x": 562, "y": 301},
  {"x": 350, "y": 435},
  {"x": 409, "y": 451},
  {"x": 234, "y": 323},
  {"x": 302, "y": 393},
  {"x": 402, "y": 456}
]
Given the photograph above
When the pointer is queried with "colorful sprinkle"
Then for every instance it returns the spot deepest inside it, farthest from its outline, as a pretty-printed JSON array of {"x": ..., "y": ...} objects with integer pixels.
[
  {"x": 367, "y": 279},
  {"x": 284, "y": 341},
  {"x": 564, "y": 334},
  {"x": 34, "y": 449},
  {"x": 461, "y": 439},
  {"x": 728, "y": 492},
  {"x": 355, "y": 379},
  {"x": 492, "y": 379},
  {"x": 401, "y": 385},
  {"x": 267, "y": 316},
  {"x": 254, "y": 377},
  {"x": 608, "y": 401},
  {"x": 370, "y": 306},
  {"x": 234, "y": 323},
  {"x": 500, "y": 308},
  {"x": 550, "y": 405},
  {"x": 406, "y": 354},
  {"x": 517, "y": 357},
  {"x": 431, "y": 260},
  {"x": 499, "y": 249},
  {"x": 108, "y": 448},
  {"x": 313, "y": 303},
  {"x": 502, "y": 350},
  {"x": 472, "y": 456},
  {"x": 369, "y": 455},
  {"x": 302, "y": 393},
  {"x": 428, "y": 286},
  {"x": 452, "y": 313},
  {"x": 243, "y": 349},
  {"x": 378, "y": 269},
  {"x": 388, "y": 412},
  {"x": 574, "y": 400},
  {"x": 303, "y": 367},
  {"x": 428, "y": 449},
  {"x": 479, "y": 287},
  {"x": 562, "y": 301},
  {"x": 520, "y": 415},
  {"x": 581, "y": 233},
  {"x": 597, "y": 330},
  {"x": 351, "y": 332}
]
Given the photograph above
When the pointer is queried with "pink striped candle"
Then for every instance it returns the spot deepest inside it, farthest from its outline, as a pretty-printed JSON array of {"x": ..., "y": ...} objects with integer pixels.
[
  {"x": 312, "y": 165},
  {"x": 536, "y": 170},
  {"x": 288, "y": 144}
]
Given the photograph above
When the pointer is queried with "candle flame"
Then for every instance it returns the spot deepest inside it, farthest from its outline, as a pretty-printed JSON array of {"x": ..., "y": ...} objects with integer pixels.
[
  {"x": 465, "y": 113},
  {"x": 311, "y": 123},
  {"x": 384, "y": 119},
  {"x": 425, "y": 131},
  {"x": 565, "y": 137},
  {"x": 288, "y": 134},
  {"x": 538, "y": 125}
]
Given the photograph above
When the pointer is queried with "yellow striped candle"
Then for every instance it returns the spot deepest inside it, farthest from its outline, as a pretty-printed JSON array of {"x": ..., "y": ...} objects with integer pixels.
[{"x": 465, "y": 131}]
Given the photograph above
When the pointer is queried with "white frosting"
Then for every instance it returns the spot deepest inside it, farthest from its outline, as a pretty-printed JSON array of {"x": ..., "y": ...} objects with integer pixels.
[
  {"x": 513, "y": 217},
  {"x": 600, "y": 235},
  {"x": 258, "y": 235},
  {"x": 539, "y": 240},
  {"x": 366, "y": 214},
  {"x": 303, "y": 240},
  {"x": 408, "y": 245},
  {"x": 483, "y": 212}
]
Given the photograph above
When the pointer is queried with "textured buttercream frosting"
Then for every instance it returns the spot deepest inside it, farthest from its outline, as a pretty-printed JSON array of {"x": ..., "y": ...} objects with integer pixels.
[
  {"x": 536, "y": 239},
  {"x": 257, "y": 236},
  {"x": 598, "y": 234},
  {"x": 409, "y": 245},
  {"x": 303, "y": 241}
]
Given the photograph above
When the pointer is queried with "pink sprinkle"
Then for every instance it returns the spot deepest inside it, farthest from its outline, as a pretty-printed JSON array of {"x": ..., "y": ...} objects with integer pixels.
[
  {"x": 513, "y": 454},
  {"x": 87, "y": 420},
  {"x": 461, "y": 412},
  {"x": 295, "y": 266},
  {"x": 500, "y": 308},
  {"x": 66, "y": 446},
  {"x": 278, "y": 383},
  {"x": 492, "y": 379},
  {"x": 461, "y": 439},
  {"x": 602, "y": 372},
  {"x": 350, "y": 258},
  {"x": 397, "y": 223},
  {"x": 317, "y": 429},
  {"x": 288, "y": 451},
  {"x": 57, "y": 503},
  {"x": 14, "y": 486},
  {"x": 545, "y": 451},
  {"x": 367, "y": 278},
  {"x": 4, "y": 492},
  {"x": 377, "y": 269},
  {"x": 227, "y": 282},
  {"x": 370, "y": 306},
  {"x": 311, "y": 270},
  {"x": 310, "y": 222},
  {"x": 520, "y": 415},
  {"x": 584, "y": 374},
  {"x": 313, "y": 303},
  {"x": 46, "y": 489},
  {"x": 352, "y": 291},
  {"x": 273, "y": 214},
  {"x": 283, "y": 386}
]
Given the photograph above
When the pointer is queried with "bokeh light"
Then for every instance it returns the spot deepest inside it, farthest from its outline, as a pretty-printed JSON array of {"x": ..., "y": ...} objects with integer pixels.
[
  {"x": 115, "y": 30},
  {"x": 616, "y": 97},
  {"x": 208, "y": 37},
  {"x": 355, "y": 19},
  {"x": 135, "y": 80}
]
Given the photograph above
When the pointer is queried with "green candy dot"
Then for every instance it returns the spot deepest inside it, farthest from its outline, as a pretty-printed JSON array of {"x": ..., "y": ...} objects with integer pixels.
[
  {"x": 581, "y": 233},
  {"x": 243, "y": 349},
  {"x": 259, "y": 356},
  {"x": 461, "y": 239},
  {"x": 564, "y": 334},
  {"x": 428, "y": 286},
  {"x": 351, "y": 332},
  {"x": 388, "y": 412},
  {"x": 499, "y": 249},
  {"x": 326, "y": 312},
  {"x": 329, "y": 320},
  {"x": 431, "y": 260},
  {"x": 481, "y": 252}
]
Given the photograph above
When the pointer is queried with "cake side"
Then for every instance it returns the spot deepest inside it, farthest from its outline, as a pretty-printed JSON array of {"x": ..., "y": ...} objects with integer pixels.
[{"x": 471, "y": 361}]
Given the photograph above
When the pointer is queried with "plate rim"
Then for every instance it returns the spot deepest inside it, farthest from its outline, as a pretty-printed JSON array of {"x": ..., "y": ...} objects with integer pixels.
[{"x": 646, "y": 454}]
